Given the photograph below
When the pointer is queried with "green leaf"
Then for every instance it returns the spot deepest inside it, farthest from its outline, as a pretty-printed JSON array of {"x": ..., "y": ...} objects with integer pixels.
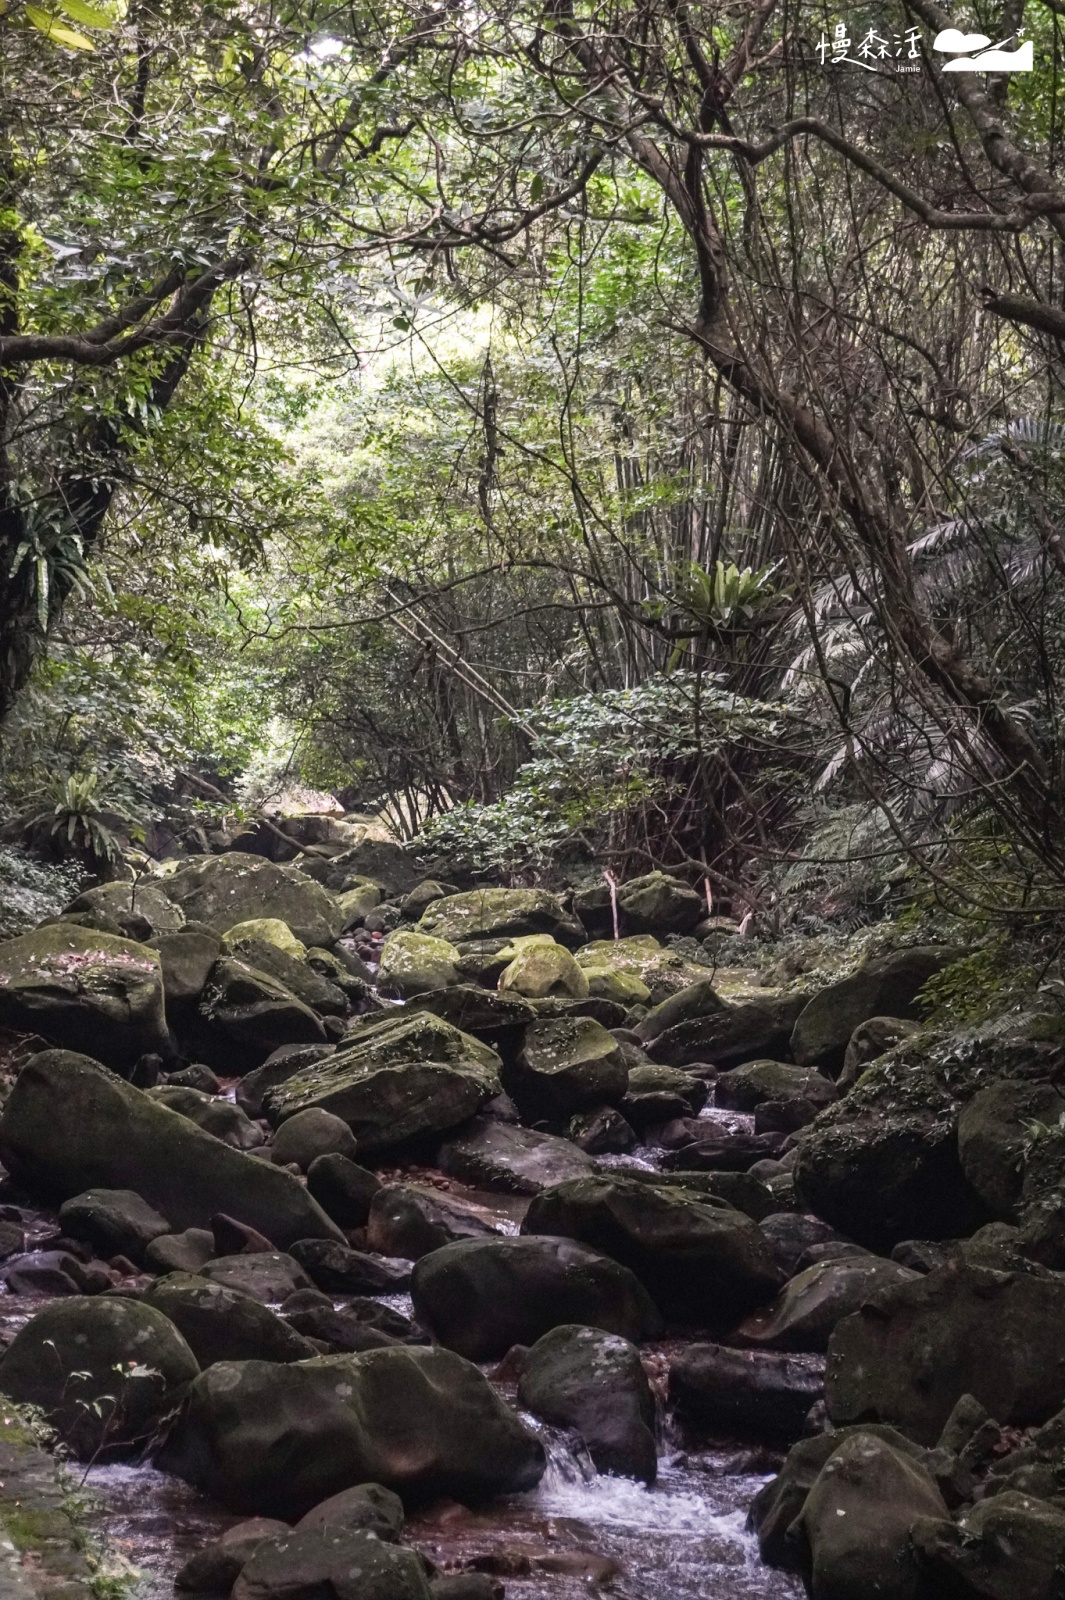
[
  {"x": 88, "y": 16},
  {"x": 536, "y": 188},
  {"x": 57, "y": 31}
]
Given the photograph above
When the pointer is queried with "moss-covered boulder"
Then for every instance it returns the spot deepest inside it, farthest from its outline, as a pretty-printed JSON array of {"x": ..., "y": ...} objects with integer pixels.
[
  {"x": 594, "y": 1382},
  {"x": 882, "y": 1164},
  {"x": 211, "y": 1113},
  {"x": 265, "y": 1438},
  {"x": 225, "y": 890},
  {"x": 115, "y": 1222},
  {"x": 140, "y": 909},
  {"x": 480, "y": 1296},
  {"x": 805, "y": 1313},
  {"x": 724, "y": 1034},
  {"x": 69, "y": 1125},
  {"x": 102, "y": 1370},
  {"x": 85, "y": 989},
  {"x": 500, "y": 914},
  {"x": 661, "y": 971},
  {"x": 659, "y": 903},
  {"x": 1002, "y": 1131},
  {"x": 220, "y": 1323},
  {"x": 887, "y": 986},
  {"x": 264, "y": 930},
  {"x": 251, "y": 1009},
  {"x": 338, "y": 1561},
  {"x": 746, "y": 1088},
  {"x": 565, "y": 1064},
  {"x": 538, "y": 970},
  {"x": 186, "y": 958},
  {"x": 357, "y": 903},
  {"x": 610, "y": 983},
  {"x": 415, "y": 963},
  {"x": 1010, "y": 1546},
  {"x": 410, "y": 1220},
  {"x": 498, "y": 1019},
  {"x": 697, "y": 1257},
  {"x": 504, "y": 1159},
  {"x": 395, "y": 1079}
]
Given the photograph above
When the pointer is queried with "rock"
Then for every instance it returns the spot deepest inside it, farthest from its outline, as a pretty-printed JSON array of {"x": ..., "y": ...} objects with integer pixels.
[
  {"x": 492, "y": 1155},
  {"x": 250, "y": 1008},
  {"x": 745, "y": 1088},
  {"x": 266, "y": 1276},
  {"x": 195, "y": 1076},
  {"x": 279, "y": 1066},
  {"x": 806, "y": 1311},
  {"x": 180, "y": 1252},
  {"x": 907, "y": 1359},
  {"x": 544, "y": 969},
  {"x": 480, "y": 1296},
  {"x": 339, "y": 1332},
  {"x": 133, "y": 905},
  {"x": 738, "y": 1189},
  {"x": 220, "y": 1323},
  {"x": 465, "y": 1586},
  {"x": 366, "y": 1508},
  {"x": 396, "y": 1078},
  {"x": 416, "y": 963},
  {"x": 885, "y": 986},
  {"x": 565, "y": 1065},
  {"x": 310, "y": 1134},
  {"x": 594, "y": 1382},
  {"x": 223, "y": 891},
  {"x": 883, "y": 1164},
  {"x": 294, "y": 974},
  {"x": 417, "y": 901},
  {"x": 116, "y": 1222},
  {"x": 343, "y": 1189},
  {"x": 356, "y": 904},
  {"x": 419, "y": 1421},
  {"x": 649, "y": 1077},
  {"x": 609, "y": 983},
  {"x": 340, "y": 1270},
  {"x": 601, "y": 1131},
  {"x": 47, "y": 1272},
  {"x": 857, "y": 1519},
  {"x": 659, "y": 903},
  {"x": 69, "y": 1125},
  {"x": 740, "y": 1391},
  {"x": 869, "y": 1041},
  {"x": 409, "y": 1221},
  {"x": 661, "y": 971},
  {"x": 702, "y": 1148},
  {"x": 215, "y": 1569},
  {"x": 697, "y": 1258},
  {"x": 496, "y": 1019},
  {"x": 1008, "y": 1547},
  {"x": 777, "y": 1504},
  {"x": 382, "y": 860},
  {"x": 118, "y": 1354},
  {"x": 348, "y": 1564},
  {"x": 500, "y": 914},
  {"x": 235, "y": 1238},
  {"x": 754, "y": 1030},
  {"x": 185, "y": 959},
  {"x": 264, "y": 930},
  {"x": 790, "y": 1235},
  {"x": 78, "y": 987},
  {"x": 216, "y": 1117},
  {"x": 694, "y": 1002},
  {"x": 995, "y": 1139}
]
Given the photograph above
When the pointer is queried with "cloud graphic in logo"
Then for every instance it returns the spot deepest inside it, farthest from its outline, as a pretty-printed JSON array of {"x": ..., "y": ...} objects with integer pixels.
[
  {"x": 952, "y": 40},
  {"x": 1022, "y": 60}
]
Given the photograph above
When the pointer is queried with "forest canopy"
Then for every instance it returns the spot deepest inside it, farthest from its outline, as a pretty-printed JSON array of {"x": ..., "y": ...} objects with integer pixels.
[{"x": 620, "y": 433}]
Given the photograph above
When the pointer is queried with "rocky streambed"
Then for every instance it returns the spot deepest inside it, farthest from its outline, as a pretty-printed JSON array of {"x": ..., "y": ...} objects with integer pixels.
[{"x": 475, "y": 1251}]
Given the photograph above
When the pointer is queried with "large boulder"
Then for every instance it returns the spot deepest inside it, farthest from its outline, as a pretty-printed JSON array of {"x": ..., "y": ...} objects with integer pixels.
[
  {"x": 140, "y": 909},
  {"x": 659, "y": 903},
  {"x": 279, "y": 1066},
  {"x": 497, "y": 1019},
  {"x": 730, "y": 1036},
  {"x": 857, "y": 1520},
  {"x": 480, "y": 1296},
  {"x": 301, "y": 1139},
  {"x": 416, "y": 963},
  {"x": 264, "y": 1438},
  {"x": 214, "y": 1115},
  {"x": 250, "y": 1008},
  {"x": 185, "y": 958},
  {"x": 395, "y": 1079},
  {"x": 746, "y": 1391},
  {"x": 1008, "y": 1547},
  {"x": 85, "y": 990},
  {"x": 219, "y": 1323},
  {"x": 343, "y": 1563},
  {"x": 409, "y": 1220},
  {"x": 343, "y": 1189},
  {"x": 565, "y": 1064},
  {"x": 885, "y": 986},
  {"x": 661, "y": 971},
  {"x": 541, "y": 968},
  {"x": 500, "y": 914},
  {"x": 697, "y": 1257},
  {"x": 746, "y": 1088},
  {"x": 504, "y": 1159},
  {"x": 594, "y": 1382},
  {"x": 998, "y": 1131},
  {"x": 806, "y": 1311},
  {"x": 103, "y": 1371},
  {"x": 115, "y": 1222},
  {"x": 225, "y": 890},
  {"x": 882, "y": 1164},
  {"x": 268, "y": 1276},
  {"x": 292, "y": 972},
  {"x": 69, "y": 1125},
  {"x": 908, "y": 1357}
]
